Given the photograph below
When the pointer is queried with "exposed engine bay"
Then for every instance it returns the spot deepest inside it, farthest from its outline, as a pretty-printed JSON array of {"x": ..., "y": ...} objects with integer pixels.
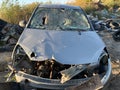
[{"x": 52, "y": 69}]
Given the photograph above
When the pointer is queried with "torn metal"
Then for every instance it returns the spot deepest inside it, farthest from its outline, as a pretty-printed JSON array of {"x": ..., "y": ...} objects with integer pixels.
[
  {"x": 71, "y": 72},
  {"x": 84, "y": 78},
  {"x": 58, "y": 76}
]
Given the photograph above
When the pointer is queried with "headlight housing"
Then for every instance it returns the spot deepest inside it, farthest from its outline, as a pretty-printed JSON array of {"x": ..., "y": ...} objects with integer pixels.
[
  {"x": 103, "y": 59},
  {"x": 21, "y": 60},
  {"x": 18, "y": 54},
  {"x": 100, "y": 67},
  {"x": 103, "y": 62}
]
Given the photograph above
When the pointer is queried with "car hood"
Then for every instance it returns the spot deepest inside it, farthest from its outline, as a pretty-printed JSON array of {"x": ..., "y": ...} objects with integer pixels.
[{"x": 67, "y": 47}]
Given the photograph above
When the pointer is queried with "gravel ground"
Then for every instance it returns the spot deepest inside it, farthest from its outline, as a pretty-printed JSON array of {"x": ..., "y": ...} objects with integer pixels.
[{"x": 112, "y": 46}]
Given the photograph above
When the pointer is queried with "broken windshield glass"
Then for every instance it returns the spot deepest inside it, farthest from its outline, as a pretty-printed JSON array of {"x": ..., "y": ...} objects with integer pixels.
[{"x": 59, "y": 19}]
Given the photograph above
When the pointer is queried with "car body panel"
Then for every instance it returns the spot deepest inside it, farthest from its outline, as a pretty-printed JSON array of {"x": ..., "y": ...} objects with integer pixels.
[{"x": 68, "y": 47}]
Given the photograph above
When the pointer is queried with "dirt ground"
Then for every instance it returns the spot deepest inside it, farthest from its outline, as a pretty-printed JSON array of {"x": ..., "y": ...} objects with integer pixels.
[
  {"x": 112, "y": 46},
  {"x": 114, "y": 51}
]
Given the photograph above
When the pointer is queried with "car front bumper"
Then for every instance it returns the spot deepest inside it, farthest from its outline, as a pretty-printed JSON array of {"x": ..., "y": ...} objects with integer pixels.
[{"x": 39, "y": 82}]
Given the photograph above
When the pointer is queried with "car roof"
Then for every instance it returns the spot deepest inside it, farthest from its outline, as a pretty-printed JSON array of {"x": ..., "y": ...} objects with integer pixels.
[{"x": 59, "y": 6}]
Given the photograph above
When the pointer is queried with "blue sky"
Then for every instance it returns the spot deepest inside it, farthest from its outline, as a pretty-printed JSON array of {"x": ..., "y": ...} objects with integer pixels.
[{"x": 30, "y": 1}]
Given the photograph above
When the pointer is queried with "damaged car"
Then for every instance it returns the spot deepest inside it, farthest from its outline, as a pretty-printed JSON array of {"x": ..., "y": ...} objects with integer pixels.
[{"x": 59, "y": 49}]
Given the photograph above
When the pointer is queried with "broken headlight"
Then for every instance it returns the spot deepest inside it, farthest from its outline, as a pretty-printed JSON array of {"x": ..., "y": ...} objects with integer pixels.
[
  {"x": 18, "y": 54},
  {"x": 104, "y": 58},
  {"x": 96, "y": 68},
  {"x": 21, "y": 60},
  {"x": 103, "y": 62}
]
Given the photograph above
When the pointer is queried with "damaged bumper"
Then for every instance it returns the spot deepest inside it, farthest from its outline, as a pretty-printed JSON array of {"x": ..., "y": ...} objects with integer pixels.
[
  {"x": 45, "y": 83},
  {"x": 39, "y": 82},
  {"x": 107, "y": 75}
]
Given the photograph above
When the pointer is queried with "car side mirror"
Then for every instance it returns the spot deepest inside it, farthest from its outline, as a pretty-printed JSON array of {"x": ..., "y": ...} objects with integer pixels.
[{"x": 22, "y": 23}]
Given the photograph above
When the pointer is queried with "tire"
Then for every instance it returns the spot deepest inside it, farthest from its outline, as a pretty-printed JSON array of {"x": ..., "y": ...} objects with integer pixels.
[{"x": 116, "y": 36}]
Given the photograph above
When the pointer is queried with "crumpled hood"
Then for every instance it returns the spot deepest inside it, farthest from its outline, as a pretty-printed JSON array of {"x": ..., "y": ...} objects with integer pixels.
[{"x": 67, "y": 47}]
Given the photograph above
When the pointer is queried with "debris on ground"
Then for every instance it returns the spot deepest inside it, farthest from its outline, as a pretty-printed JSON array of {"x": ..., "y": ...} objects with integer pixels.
[
  {"x": 2, "y": 24},
  {"x": 9, "y": 34},
  {"x": 105, "y": 19}
]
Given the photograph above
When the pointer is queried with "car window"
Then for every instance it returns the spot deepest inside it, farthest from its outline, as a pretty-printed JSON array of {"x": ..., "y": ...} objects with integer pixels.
[{"x": 59, "y": 19}]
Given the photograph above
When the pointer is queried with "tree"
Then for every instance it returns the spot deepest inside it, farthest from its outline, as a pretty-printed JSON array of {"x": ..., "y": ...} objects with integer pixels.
[
  {"x": 82, "y": 3},
  {"x": 12, "y": 12}
]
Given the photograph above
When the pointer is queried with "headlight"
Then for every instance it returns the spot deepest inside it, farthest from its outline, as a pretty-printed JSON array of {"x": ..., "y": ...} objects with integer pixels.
[
  {"x": 100, "y": 68},
  {"x": 103, "y": 62},
  {"x": 21, "y": 60},
  {"x": 104, "y": 58},
  {"x": 18, "y": 54}
]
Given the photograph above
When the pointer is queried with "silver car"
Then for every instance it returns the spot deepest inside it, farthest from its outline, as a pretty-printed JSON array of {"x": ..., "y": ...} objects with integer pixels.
[{"x": 58, "y": 49}]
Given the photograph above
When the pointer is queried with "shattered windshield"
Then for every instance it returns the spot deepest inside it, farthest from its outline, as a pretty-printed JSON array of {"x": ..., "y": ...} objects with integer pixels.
[{"x": 59, "y": 19}]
